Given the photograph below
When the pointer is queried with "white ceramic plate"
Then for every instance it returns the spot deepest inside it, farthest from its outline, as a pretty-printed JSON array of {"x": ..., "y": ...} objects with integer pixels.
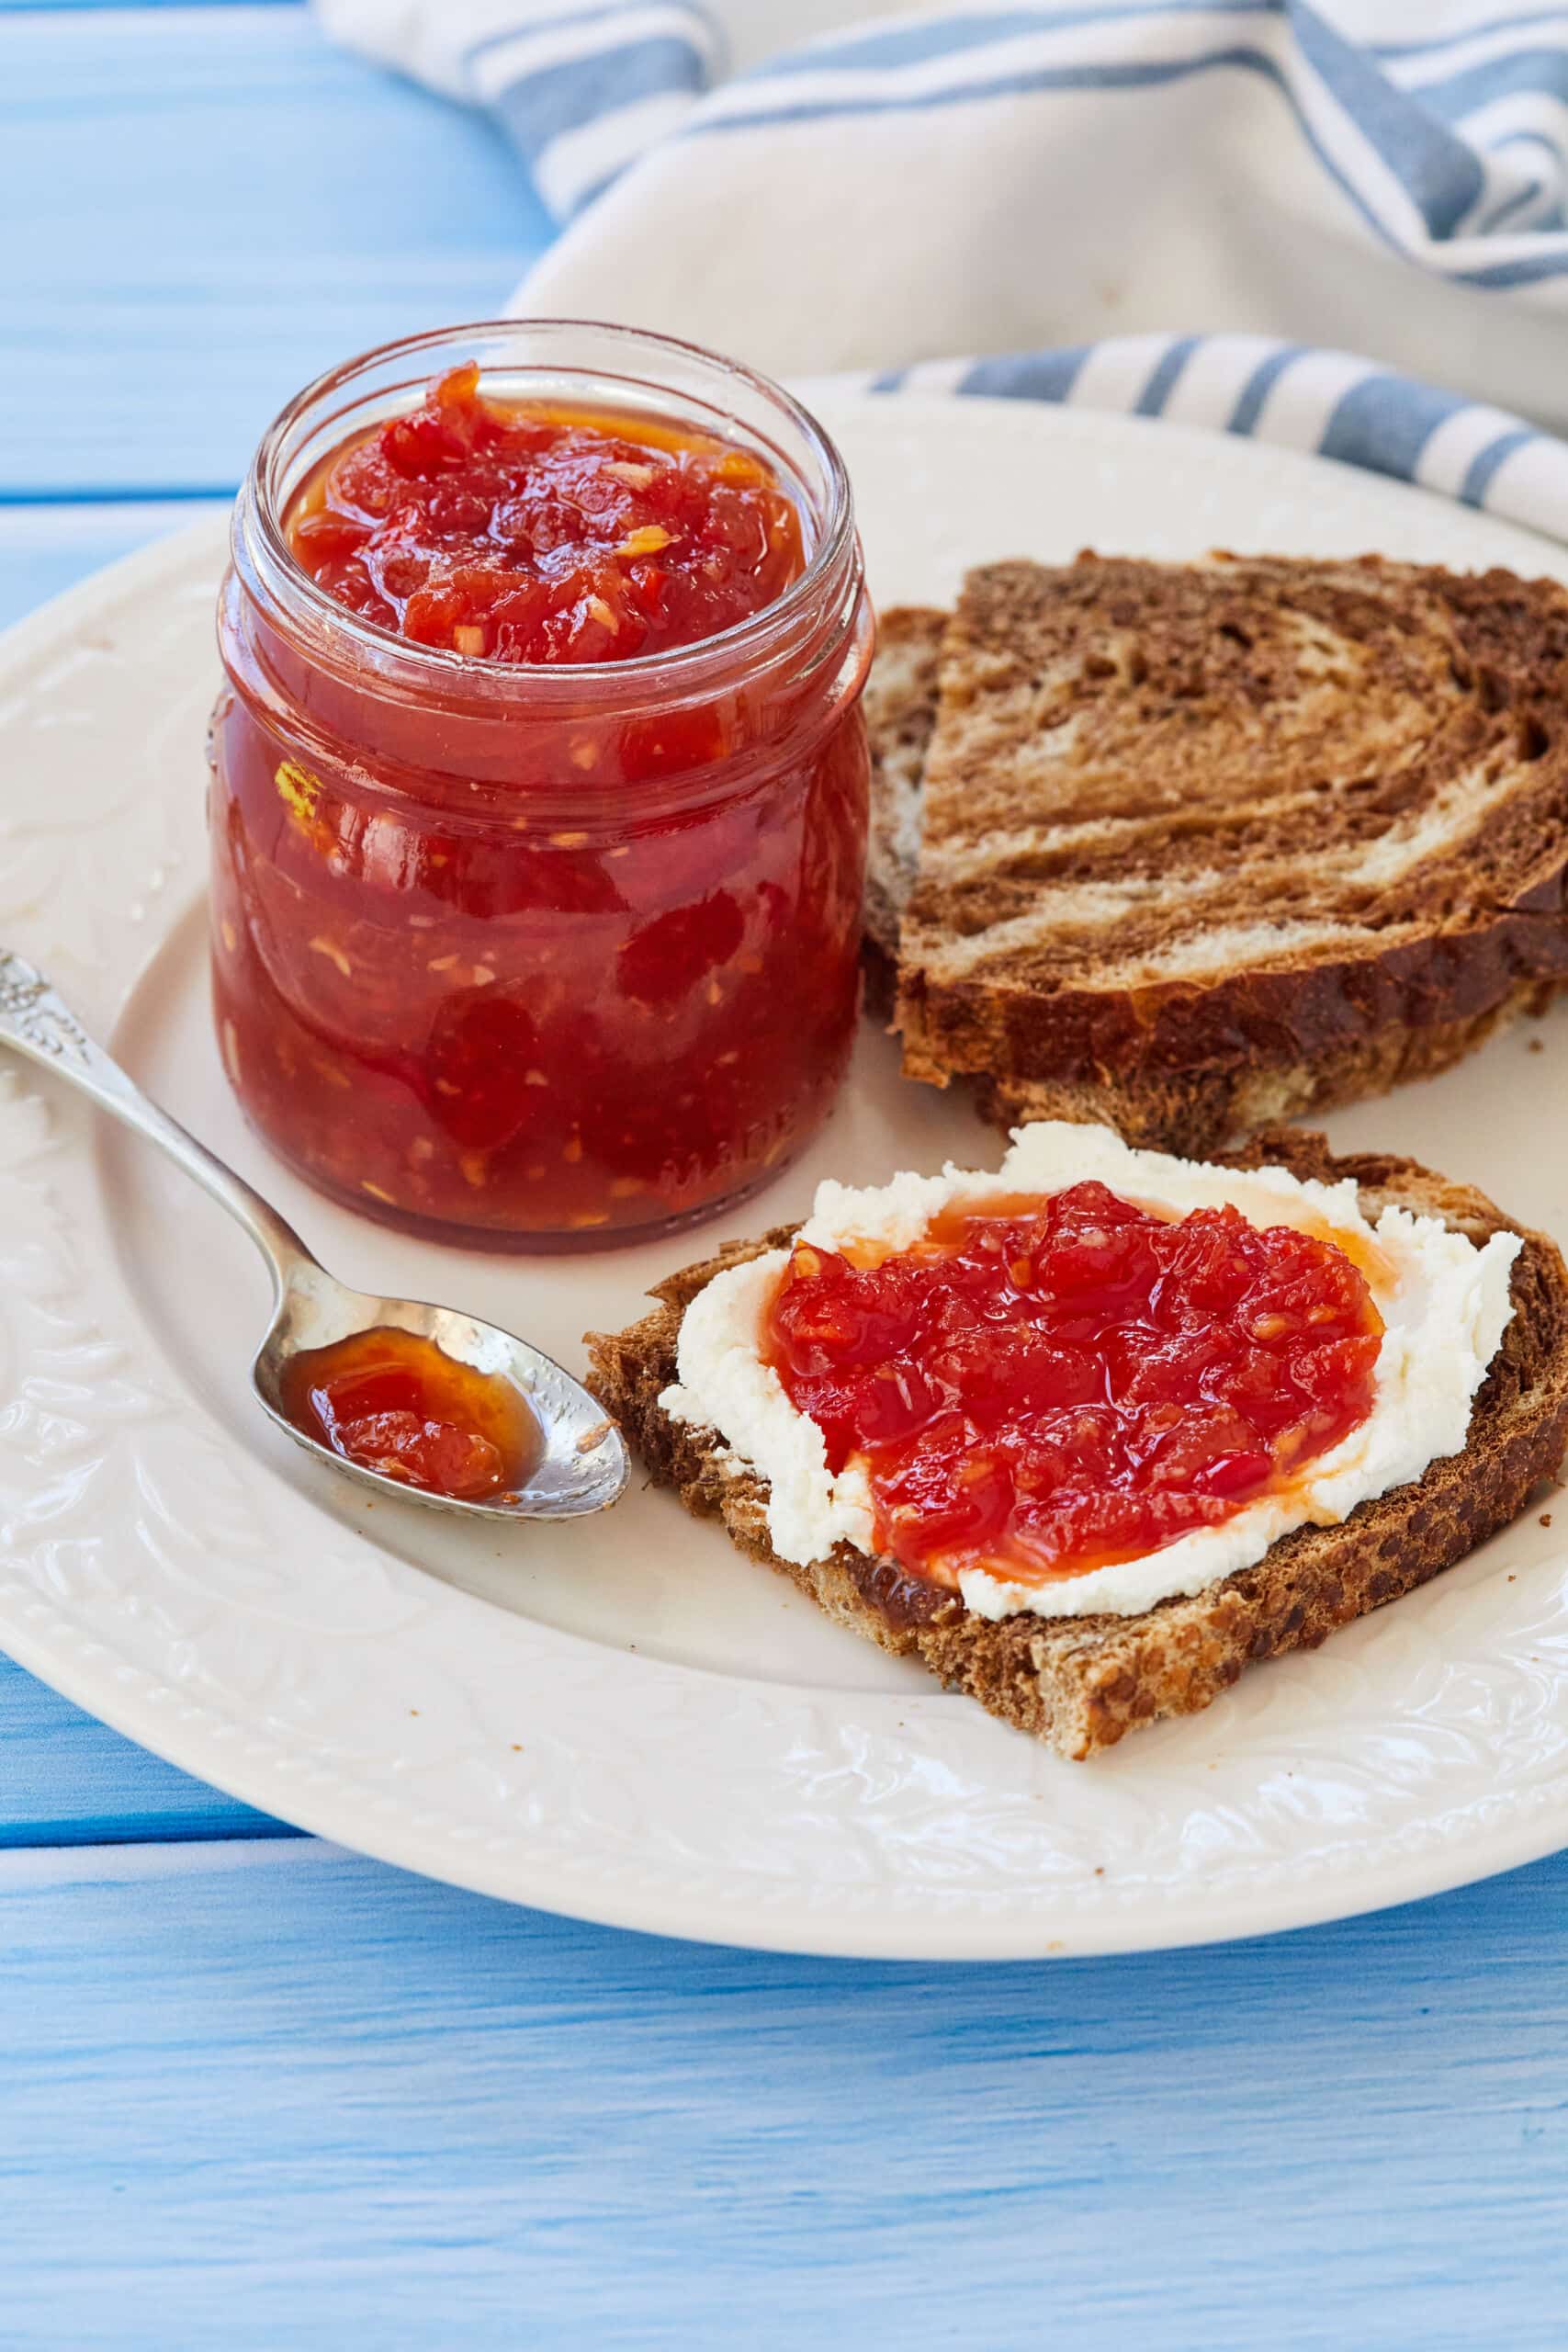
[{"x": 626, "y": 1720}]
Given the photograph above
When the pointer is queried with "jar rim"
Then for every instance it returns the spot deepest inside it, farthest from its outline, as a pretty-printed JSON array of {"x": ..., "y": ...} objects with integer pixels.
[{"x": 669, "y": 671}]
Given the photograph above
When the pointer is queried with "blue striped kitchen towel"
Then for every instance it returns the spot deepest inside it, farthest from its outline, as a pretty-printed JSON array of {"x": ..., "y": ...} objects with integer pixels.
[{"x": 838, "y": 186}]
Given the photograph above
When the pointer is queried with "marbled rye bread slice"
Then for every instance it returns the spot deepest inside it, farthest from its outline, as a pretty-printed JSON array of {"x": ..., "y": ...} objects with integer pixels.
[
  {"x": 1080, "y": 1683},
  {"x": 1204, "y": 845}
]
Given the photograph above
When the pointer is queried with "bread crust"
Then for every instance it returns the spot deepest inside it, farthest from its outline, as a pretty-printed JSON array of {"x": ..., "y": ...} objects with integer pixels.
[
  {"x": 1081, "y": 1684},
  {"x": 1194, "y": 1113},
  {"x": 1465, "y": 678}
]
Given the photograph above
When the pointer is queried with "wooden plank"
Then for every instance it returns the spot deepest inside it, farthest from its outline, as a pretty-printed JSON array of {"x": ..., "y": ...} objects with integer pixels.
[
  {"x": 258, "y": 2096},
  {"x": 219, "y": 205},
  {"x": 101, "y": 7},
  {"x": 139, "y": 8},
  {"x": 67, "y": 1779},
  {"x": 47, "y": 548}
]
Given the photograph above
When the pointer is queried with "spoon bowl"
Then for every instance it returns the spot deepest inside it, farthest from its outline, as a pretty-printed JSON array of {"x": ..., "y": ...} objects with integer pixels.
[{"x": 582, "y": 1464}]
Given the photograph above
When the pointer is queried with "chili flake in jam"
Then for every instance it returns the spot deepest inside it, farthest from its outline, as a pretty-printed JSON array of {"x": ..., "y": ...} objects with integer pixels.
[
  {"x": 1048, "y": 1386},
  {"x": 552, "y": 938},
  {"x": 397, "y": 1403},
  {"x": 525, "y": 534}
]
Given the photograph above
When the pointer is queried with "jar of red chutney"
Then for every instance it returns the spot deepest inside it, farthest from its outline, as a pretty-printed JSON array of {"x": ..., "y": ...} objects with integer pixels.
[{"x": 539, "y": 784}]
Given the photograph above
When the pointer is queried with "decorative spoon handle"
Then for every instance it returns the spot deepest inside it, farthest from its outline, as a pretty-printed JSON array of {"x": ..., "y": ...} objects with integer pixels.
[{"x": 39, "y": 1023}]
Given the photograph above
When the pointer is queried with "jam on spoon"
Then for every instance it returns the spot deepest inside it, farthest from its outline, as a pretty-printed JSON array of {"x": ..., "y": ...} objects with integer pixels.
[{"x": 398, "y": 1403}]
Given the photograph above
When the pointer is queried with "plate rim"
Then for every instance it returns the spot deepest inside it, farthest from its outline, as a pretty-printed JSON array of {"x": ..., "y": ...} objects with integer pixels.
[{"x": 1281, "y": 1915}]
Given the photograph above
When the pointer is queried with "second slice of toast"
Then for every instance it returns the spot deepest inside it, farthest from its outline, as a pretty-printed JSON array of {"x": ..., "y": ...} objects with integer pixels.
[{"x": 1193, "y": 847}]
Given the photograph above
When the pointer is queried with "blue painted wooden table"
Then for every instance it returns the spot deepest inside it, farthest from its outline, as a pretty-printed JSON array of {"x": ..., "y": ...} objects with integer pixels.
[{"x": 257, "y": 2093}]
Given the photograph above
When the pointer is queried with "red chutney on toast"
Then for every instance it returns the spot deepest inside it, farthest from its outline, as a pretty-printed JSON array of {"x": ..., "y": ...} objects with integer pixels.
[{"x": 1043, "y": 1387}]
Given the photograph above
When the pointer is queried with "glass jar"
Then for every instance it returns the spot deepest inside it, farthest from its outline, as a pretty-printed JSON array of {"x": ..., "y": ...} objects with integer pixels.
[{"x": 548, "y": 955}]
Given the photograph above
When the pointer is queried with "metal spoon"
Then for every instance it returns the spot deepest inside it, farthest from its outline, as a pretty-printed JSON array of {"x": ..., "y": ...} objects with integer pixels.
[{"x": 582, "y": 1464}]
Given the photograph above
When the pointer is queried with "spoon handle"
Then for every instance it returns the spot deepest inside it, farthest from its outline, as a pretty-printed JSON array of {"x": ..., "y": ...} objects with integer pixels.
[{"x": 39, "y": 1024}]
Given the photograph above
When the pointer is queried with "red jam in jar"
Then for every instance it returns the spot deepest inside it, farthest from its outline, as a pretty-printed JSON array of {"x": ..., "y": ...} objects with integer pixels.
[
  {"x": 540, "y": 784},
  {"x": 517, "y": 534},
  {"x": 1049, "y": 1385}
]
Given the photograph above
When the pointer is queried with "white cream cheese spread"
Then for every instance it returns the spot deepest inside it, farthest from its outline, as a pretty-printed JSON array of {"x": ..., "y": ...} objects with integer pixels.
[{"x": 1445, "y": 1305}]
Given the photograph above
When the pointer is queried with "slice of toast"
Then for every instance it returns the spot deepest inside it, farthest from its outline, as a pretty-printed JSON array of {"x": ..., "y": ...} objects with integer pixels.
[
  {"x": 1205, "y": 846},
  {"x": 1081, "y": 1682}
]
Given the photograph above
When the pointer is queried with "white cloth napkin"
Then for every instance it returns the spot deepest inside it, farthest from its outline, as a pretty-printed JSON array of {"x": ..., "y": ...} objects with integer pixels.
[{"x": 1200, "y": 211}]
